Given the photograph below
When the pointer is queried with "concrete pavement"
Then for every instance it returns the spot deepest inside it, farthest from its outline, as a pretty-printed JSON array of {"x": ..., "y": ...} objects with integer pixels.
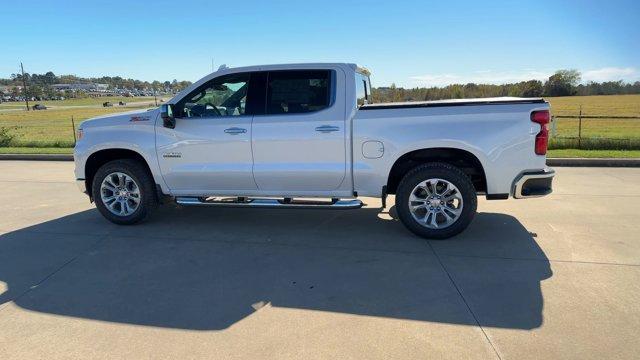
[{"x": 557, "y": 277}]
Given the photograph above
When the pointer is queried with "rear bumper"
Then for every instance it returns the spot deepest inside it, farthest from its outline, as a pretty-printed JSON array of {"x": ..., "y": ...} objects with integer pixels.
[{"x": 533, "y": 183}]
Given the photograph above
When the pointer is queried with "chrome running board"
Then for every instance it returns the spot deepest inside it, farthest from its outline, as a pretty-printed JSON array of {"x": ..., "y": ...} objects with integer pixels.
[{"x": 286, "y": 203}]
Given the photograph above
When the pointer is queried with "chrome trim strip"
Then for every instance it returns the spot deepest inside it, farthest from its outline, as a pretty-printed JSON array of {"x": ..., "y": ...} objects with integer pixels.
[{"x": 271, "y": 203}]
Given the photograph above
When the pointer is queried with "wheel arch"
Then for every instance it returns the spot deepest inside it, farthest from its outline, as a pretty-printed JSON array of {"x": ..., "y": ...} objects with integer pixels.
[
  {"x": 466, "y": 161},
  {"x": 101, "y": 157}
]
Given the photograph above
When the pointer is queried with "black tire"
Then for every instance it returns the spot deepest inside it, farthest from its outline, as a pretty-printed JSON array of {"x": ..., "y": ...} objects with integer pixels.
[
  {"x": 139, "y": 173},
  {"x": 446, "y": 172}
]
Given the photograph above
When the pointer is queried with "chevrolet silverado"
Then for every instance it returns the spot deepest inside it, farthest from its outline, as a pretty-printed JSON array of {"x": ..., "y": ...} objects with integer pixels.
[{"x": 311, "y": 136}]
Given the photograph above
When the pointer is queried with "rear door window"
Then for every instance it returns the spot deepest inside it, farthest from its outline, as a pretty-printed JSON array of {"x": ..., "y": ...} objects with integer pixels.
[{"x": 298, "y": 91}]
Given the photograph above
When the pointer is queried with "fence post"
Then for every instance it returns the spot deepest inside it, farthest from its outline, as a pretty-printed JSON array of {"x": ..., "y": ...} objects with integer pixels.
[
  {"x": 580, "y": 128},
  {"x": 73, "y": 128}
]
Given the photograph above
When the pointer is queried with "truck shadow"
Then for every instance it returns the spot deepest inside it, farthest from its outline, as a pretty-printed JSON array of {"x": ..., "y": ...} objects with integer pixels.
[{"x": 206, "y": 269}]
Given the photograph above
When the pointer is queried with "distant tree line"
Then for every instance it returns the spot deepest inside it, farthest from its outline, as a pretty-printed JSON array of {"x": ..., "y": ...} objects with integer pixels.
[
  {"x": 39, "y": 85},
  {"x": 562, "y": 83}
]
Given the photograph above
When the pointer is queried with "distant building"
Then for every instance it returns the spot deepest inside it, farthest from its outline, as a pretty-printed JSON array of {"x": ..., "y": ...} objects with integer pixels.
[{"x": 8, "y": 88}]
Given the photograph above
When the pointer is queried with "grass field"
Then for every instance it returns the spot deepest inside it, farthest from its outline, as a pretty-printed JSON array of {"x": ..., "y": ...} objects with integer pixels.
[
  {"x": 614, "y": 105},
  {"x": 577, "y": 153},
  {"x": 35, "y": 150},
  {"x": 50, "y": 128}
]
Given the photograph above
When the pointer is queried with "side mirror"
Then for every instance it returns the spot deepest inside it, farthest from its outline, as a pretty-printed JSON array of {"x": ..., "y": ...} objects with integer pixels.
[{"x": 166, "y": 113}]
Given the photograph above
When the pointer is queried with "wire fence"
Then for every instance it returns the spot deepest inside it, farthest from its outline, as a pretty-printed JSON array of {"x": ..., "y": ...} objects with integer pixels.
[
  {"x": 595, "y": 132},
  {"x": 568, "y": 131}
]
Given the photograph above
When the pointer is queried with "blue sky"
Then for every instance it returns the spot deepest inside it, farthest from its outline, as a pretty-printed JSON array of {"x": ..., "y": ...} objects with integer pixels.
[{"x": 411, "y": 43}]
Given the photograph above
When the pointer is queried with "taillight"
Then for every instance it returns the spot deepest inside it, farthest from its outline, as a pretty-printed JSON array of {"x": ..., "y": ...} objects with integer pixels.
[{"x": 542, "y": 139}]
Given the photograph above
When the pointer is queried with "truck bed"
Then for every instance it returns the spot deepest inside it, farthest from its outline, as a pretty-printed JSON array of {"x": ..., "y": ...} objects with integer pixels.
[{"x": 454, "y": 102}]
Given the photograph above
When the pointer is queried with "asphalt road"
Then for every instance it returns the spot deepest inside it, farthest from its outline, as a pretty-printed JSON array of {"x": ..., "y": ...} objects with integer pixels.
[{"x": 557, "y": 277}]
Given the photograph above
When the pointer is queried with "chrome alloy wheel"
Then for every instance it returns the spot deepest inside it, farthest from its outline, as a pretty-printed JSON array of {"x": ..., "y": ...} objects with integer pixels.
[
  {"x": 435, "y": 203},
  {"x": 120, "y": 194}
]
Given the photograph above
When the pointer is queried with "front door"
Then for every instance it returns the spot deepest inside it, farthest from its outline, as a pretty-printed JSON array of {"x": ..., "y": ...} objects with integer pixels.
[
  {"x": 299, "y": 143},
  {"x": 210, "y": 148}
]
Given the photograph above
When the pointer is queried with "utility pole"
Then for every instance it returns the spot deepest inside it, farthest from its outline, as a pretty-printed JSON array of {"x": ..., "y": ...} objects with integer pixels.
[{"x": 24, "y": 86}]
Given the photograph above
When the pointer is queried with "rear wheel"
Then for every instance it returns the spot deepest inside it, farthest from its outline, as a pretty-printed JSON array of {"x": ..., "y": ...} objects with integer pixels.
[
  {"x": 436, "y": 200},
  {"x": 123, "y": 191}
]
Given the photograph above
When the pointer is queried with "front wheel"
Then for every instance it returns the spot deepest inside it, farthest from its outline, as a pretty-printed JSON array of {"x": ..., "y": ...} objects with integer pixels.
[
  {"x": 123, "y": 191},
  {"x": 436, "y": 200}
]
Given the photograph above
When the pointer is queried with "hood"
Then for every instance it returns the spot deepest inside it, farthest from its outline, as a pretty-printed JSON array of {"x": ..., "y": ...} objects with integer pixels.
[{"x": 134, "y": 116}]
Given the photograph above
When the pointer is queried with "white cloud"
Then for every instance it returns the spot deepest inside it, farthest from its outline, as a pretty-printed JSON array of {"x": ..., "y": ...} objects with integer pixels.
[
  {"x": 438, "y": 79},
  {"x": 504, "y": 77},
  {"x": 480, "y": 77},
  {"x": 611, "y": 74}
]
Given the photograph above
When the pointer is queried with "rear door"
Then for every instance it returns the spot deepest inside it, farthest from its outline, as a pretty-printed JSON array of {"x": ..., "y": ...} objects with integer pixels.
[{"x": 299, "y": 142}]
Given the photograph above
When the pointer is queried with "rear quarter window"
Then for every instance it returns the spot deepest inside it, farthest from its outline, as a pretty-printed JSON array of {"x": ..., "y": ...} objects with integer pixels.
[{"x": 363, "y": 89}]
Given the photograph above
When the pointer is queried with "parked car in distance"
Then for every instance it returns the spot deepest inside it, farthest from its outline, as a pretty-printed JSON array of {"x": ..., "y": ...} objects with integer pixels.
[
  {"x": 122, "y": 103},
  {"x": 39, "y": 107},
  {"x": 276, "y": 136},
  {"x": 107, "y": 104}
]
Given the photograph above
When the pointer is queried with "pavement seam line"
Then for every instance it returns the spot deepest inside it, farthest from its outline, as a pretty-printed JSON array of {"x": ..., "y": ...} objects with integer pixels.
[
  {"x": 8, "y": 231},
  {"x": 543, "y": 260},
  {"x": 242, "y": 242},
  {"x": 54, "y": 272},
  {"x": 595, "y": 195},
  {"x": 464, "y": 300}
]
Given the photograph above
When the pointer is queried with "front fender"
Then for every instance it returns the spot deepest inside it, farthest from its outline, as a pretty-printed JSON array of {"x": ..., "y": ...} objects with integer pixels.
[{"x": 136, "y": 138}]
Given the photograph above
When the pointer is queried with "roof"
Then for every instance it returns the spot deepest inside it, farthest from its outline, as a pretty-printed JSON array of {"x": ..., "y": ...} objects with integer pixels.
[{"x": 272, "y": 67}]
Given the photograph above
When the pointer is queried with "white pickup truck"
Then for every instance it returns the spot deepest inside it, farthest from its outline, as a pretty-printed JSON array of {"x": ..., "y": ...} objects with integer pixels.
[{"x": 309, "y": 136}]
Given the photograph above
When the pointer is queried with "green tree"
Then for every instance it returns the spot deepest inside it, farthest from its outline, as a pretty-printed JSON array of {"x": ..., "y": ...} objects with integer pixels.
[
  {"x": 562, "y": 83},
  {"x": 49, "y": 92},
  {"x": 35, "y": 91},
  {"x": 532, "y": 88}
]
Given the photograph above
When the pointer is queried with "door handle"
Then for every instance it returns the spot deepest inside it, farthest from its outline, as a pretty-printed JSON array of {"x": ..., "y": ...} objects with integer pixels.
[
  {"x": 235, "y": 131},
  {"x": 327, "y": 128}
]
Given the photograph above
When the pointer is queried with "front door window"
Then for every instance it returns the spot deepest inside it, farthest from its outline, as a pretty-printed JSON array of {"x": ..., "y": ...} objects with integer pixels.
[{"x": 223, "y": 96}]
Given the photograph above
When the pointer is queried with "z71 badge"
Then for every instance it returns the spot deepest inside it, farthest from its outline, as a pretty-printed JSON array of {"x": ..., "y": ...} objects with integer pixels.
[{"x": 172, "y": 155}]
